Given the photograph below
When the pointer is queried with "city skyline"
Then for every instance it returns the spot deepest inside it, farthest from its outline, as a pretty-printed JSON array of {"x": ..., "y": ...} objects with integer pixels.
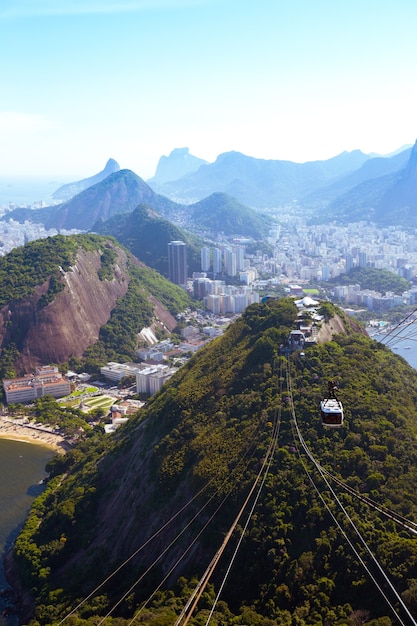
[{"x": 86, "y": 81}]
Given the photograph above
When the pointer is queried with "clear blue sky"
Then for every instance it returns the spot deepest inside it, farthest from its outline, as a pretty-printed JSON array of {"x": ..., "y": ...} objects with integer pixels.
[{"x": 85, "y": 80}]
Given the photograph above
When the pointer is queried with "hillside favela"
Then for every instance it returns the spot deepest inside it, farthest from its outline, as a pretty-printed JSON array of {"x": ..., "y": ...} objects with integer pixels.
[{"x": 221, "y": 370}]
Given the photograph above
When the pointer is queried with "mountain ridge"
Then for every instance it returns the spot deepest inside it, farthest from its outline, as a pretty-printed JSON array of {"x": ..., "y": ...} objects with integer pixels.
[
  {"x": 199, "y": 446},
  {"x": 386, "y": 200}
]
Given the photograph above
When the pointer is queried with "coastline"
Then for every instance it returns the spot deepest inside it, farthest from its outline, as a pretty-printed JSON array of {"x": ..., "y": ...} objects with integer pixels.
[{"x": 17, "y": 431}]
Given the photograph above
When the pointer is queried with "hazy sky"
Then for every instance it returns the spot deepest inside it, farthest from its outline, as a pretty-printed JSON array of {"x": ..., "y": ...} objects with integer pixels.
[{"x": 85, "y": 80}]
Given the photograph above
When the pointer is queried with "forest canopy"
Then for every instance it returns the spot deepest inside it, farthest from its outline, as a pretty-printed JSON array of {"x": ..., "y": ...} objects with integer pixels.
[{"x": 207, "y": 433}]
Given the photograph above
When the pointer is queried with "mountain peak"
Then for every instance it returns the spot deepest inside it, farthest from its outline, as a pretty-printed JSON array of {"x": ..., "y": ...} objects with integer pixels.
[
  {"x": 178, "y": 164},
  {"x": 111, "y": 166},
  {"x": 72, "y": 189}
]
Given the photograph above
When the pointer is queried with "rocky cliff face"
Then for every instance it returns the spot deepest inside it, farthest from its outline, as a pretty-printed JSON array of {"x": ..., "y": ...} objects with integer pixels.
[
  {"x": 69, "y": 324},
  {"x": 336, "y": 326}
]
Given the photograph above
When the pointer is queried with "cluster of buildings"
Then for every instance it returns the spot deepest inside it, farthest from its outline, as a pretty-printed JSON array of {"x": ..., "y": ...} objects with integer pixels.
[
  {"x": 373, "y": 300},
  {"x": 149, "y": 378},
  {"x": 154, "y": 367},
  {"x": 306, "y": 254},
  {"x": 228, "y": 260},
  {"x": 220, "y": 298}
]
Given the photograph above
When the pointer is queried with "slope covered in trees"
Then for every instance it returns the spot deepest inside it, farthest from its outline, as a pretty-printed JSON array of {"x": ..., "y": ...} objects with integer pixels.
[
  {"x": 150, "y": 507},
  {"x": 221, "y": 213},
  {"x": 373, "y": 278},
  {"x": 147, "y": 235},
  {"x": 64, "y": 298}
]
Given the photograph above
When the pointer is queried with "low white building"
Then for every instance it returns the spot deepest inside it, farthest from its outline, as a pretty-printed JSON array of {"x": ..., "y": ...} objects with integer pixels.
[{"x": 117, "y": 371}]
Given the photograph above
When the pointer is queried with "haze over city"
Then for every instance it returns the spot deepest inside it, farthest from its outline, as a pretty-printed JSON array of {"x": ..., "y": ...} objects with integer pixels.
[{"x": 86, "y": 80}]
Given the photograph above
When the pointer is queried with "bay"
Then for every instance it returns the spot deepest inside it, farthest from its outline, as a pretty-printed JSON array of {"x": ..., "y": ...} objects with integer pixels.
[
  {"x": 27, "y": 190},
  {"x": 22, "y": 470},
  {"x": 401, "y": 340}
]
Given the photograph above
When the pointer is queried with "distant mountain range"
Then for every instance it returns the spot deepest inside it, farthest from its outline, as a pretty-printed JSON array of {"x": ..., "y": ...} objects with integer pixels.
[
  {"x": 120, "y": 192},
  {"x": 118, "y": 195},
  {"x": 349, "y": 187},
  {"x": 260, "y": 183},
  {"x": 388, "y": 199},
  {"x": 228, "y": 196}
]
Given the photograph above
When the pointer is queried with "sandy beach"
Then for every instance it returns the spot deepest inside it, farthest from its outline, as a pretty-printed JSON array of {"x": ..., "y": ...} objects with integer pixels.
[{"x": 17, "y": 431}]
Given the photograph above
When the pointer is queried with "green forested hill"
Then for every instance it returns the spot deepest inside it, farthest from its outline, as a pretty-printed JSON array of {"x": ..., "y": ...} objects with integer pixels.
[
  {"x": 82, "y": 298},
  {"x": 147, "y": 235},
  {"x": 373, "y": 278},
  {"x": 222, "y": 213},
  {"x": 161, "y": 495}
]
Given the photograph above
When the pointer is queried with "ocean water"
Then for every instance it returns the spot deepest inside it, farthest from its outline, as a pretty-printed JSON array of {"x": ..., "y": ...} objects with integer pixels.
[
  {"x": 402, "y": 341},
  {"x": 22, "y": 469},
  {"x": 27, "y": 190}
]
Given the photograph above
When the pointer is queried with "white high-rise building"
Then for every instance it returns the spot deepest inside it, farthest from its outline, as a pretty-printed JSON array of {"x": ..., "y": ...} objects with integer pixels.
[
  {"x": 240, "y": 258},
  {"x": 217, "y": 261},
  {"x": 205, "y": 259},
  {"x": 230, "y": 263}
]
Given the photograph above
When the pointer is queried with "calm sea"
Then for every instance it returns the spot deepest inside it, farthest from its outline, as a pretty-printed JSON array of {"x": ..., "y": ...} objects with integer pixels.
[
  {"x": 29, "y": 189},
  {"x": 22, "y": 468},
  {"x": 402, "y": 341}
]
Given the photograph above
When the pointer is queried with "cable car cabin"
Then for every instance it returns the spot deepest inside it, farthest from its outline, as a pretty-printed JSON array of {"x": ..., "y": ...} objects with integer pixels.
[
  {"x": 331, "y": 413},
  {"x": 331, "y": 408}
]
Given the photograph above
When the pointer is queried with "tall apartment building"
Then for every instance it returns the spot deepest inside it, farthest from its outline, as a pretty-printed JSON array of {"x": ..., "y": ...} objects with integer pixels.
[
  {"x": 205, "y": 259},
  {"x": 240, "y": 258},
  {"x": 177, "y": 262},
  {"x": 230, "y": 262},
  {"x": 363, "y": 259},
  {"x": 217, "y": 261},
  {"x": 349, "y": 262}
]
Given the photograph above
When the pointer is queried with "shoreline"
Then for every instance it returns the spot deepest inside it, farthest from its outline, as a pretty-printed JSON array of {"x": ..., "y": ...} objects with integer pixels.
[{"x": 14, "y": 431}]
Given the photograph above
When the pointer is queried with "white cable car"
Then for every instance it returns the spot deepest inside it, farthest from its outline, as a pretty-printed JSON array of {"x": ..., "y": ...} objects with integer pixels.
[{"x": 331, "y": 408}]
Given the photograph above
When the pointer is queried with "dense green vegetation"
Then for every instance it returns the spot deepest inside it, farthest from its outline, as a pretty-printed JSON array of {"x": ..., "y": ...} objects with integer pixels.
[
  {"x": 107, "y": 259},
  {"x": 146, "y": 234},
  {"x": 201, "y": 441},
  {"x": 376, "y": 279},
  {"x": 24, "y": 268},
  {"x": 45, "y": 260},
  {"x": 221, "y": 213},
  {"x": 71, "y": 421}
]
